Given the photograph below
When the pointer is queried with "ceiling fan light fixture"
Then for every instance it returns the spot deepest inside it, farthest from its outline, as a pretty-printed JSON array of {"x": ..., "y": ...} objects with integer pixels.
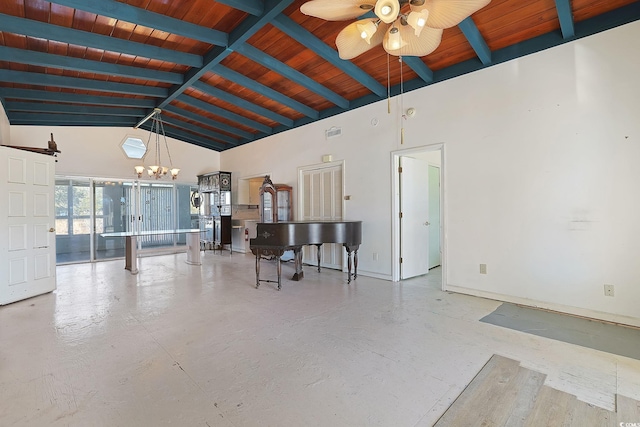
[
  {"x": 387, "y": 10},
  {"x": 393, "y": 40},
  {"x": 417, "y": 20},
  {"x": 350, "y": 42},
  {"x": 367, "y": 29}
]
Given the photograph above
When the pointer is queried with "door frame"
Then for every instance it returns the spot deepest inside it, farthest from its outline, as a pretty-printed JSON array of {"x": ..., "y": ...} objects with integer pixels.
[{"x": 395, "y": 188}]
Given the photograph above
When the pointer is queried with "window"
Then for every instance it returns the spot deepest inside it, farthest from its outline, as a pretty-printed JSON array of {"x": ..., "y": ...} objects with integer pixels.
[{"x": 134, "y": 147}]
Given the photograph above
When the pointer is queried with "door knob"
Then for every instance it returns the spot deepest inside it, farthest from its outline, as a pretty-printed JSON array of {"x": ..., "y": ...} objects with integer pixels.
[
  {"x": 51, "y": 230},
  {"x": 427, "y": 223}
]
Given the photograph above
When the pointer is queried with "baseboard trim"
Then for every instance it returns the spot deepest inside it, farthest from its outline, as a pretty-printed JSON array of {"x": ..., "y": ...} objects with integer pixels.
[{"x": 374, "y": 275}]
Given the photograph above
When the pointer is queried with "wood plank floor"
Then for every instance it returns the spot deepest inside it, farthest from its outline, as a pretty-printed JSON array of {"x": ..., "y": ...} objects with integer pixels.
[{"x": 506, "y": 394}]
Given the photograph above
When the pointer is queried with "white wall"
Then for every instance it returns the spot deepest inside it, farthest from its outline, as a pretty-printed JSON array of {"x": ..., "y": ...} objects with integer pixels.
[
  {"x": 541, "y": 174},
  {"x": 5, "y": 129},
  {"x": 97, "y": 152}
]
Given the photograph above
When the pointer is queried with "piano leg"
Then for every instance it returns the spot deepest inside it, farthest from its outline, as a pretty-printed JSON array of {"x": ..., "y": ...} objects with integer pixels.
[
  {"x": 319, "y": 253},
  {"x": 297, "y": 256},
  {"x": 279, "y": 264},
  {"x": 348, "y": 265},
  {"x": 257, "y": 269},
  {"x": 355, "y": 264},
  {"x": 352, "y": 251}
]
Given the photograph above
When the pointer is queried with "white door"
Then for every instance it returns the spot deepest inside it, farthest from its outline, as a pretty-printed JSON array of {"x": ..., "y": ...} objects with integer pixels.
[
  {"x": 321, "y": 200},
  {"x": 435, "y": 258},
  {"x": 414, "y": 211},
  {"x": 27, "y": 225}
]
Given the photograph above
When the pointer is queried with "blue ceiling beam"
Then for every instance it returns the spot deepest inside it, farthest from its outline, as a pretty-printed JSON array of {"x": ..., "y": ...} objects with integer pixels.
[
  {"x": 242, "y": 103},
  {"x": 304, "y": 37},
  {"x": 138, "y": 16},
  {"x": 49, "y": 119},
  {"x": 39, "y": 79},
  {"x": 180, "y": 124},
  {"x": 190, "y": 115},
  {"x": 565, "y": 16},
  {"x": 238, "y": 36},
  {"x": 253, "y": 24},
  {"x": 73, "y": 109},
  {"x": 190, "y": 138},
  {"x": 212, "y": 58},
  {"x": 419, "y": 67},
  {"x": 471, "y": 32},
  {"x": 291, "y": 74},
  {"x": 221, "y": 112},
  {"x": 41, "y": 59},
  {"x": 45, "y": 31},
  {"x": 73, "y": 98},
  {"x": 254, "y": 7},
  {"x": 261, "y": 89}
]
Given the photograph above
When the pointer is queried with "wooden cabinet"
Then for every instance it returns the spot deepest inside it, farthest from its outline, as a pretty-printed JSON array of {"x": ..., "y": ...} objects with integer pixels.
[
  {"x": 284, "y": 202},
  {"x": 275, "y": 202}
]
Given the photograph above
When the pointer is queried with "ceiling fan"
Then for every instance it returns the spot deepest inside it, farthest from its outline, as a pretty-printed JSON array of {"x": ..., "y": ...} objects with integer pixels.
[{"x": 403, "y": 27}]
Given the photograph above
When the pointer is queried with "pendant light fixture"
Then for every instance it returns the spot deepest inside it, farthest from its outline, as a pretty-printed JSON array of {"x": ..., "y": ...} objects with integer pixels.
[{"x": 157, "y": 170}]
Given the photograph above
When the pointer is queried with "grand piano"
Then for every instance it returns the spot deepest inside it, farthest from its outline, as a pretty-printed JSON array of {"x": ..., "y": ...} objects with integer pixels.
[{"x": 273, "y": 239}]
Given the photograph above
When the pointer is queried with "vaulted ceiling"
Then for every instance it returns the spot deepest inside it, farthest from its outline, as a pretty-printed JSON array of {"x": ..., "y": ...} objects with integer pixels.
[{"x": 229, "y": 72}]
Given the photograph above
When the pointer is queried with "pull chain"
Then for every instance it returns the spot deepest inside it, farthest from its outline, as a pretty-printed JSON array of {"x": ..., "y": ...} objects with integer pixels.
[
  {"x": 388, "y": 85},
  {"x": 402, "y": 116}
]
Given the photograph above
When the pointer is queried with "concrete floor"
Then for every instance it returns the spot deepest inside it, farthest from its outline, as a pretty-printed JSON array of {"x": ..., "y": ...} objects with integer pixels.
[{"x": 200, "y": 346}]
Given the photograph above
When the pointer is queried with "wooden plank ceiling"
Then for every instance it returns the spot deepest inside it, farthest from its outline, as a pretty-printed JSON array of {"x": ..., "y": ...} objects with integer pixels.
[{"x": 229, "y": 72}]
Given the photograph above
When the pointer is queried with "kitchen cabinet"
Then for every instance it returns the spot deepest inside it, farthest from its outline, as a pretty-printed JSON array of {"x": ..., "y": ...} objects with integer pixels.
[{"x": 248, "y": 191}]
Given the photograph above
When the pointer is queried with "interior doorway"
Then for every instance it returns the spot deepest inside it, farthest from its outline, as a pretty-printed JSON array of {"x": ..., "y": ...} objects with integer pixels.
[{"x": 418, "y": 240}]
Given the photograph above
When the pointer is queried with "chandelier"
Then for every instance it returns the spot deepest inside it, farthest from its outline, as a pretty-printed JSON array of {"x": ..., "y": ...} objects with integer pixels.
[
  {"x": 403, "y": 27},
  {"x": 157, "y": 130}
]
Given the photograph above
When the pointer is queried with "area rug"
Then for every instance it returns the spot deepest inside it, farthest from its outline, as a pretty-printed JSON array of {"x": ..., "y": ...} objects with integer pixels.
[{"x": 616, "y": 339}]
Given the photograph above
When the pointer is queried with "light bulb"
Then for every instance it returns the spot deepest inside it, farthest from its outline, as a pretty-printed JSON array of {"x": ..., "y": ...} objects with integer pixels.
[
  {"x": 387, "y": 10},
  {"x": 393, "y": 40},
  {"x": 417, "y": 20},
  {"x": 367, "y": 30}
]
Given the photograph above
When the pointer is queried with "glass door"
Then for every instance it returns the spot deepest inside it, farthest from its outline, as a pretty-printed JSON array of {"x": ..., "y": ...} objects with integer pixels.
[
  {"x": 86, "y": 208},
  {"x": 156, "y": 213},
  {"x": 73, "y": 220},
  {"x": 114, "y": 211}
]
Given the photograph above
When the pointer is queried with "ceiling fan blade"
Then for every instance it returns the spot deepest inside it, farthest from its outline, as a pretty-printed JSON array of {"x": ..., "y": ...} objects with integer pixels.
[
  {"x": 337, "y": 10},
  {"x": 413, "y": 45},
  {"x": 449, "y": 13},
  {"x": 350, "y": 42}
]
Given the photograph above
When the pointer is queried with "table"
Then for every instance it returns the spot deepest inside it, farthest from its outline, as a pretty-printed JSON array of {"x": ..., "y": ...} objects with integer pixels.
[{"x": 131, "y": 245}]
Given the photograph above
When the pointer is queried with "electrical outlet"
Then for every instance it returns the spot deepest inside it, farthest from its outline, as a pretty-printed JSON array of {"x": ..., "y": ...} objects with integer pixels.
[
  {"x": 483, "y": 268},
  {"x": 608, "y": 290},
  {"x": 375, "y": 256}
]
